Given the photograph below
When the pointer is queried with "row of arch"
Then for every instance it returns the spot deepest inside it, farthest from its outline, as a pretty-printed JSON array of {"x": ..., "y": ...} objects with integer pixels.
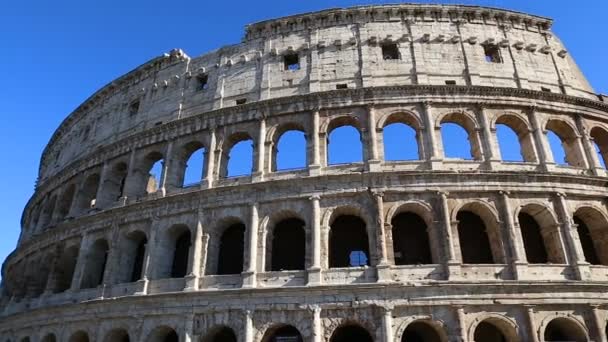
[
  {"x": 351, "y": 242},
  {"x": 495, "y": 328},
  {"x": 172, "y": 167}
]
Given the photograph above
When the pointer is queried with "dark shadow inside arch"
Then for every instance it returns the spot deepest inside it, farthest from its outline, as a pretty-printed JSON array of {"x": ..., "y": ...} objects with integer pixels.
[
  {"x": 80, "y": 336},
  {"x": 410, "y": 240},
  {"x": 49, "y": 338},
  {"x": 420, "y": 332},
  {"x": 95, "y": 265},
  {"x": 288, "y": 245},
  {"x": 222, "y": 334},
  {"x": 564, "y": 329},
  {"x": 584, "y": 234},
  {"x": 179, "y": 267},
  {"x": 117, "y": 335},
  {"x": 286, "y": 333},
  {"x": 232, "y": 245},
  {"x": 488, "y": 332},
  {"x": 348, "y": 238},
  {"x": 534, "y": 244},
  {"x": 474, "y": 241},
  {"x": 351, "y": 333},
  {"x": 138, "y": 243},
  {"x": 64, "y": 269}
]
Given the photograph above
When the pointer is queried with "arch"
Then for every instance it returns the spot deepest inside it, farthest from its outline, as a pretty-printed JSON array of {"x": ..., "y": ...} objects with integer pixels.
[
  {"x": 288, "y": 247},
  {"x": 95, "y": 264},
  {"x": 564, "y": 329},
  {"x": 474, "y": 241},
  {"x": 466, "y": 122},
  {"x": 525, "y": 139},
  {"x": 65, "y": 201},
  {"x": 351, "y": 332},
  {"x": 569, "y": 142},
  {"x": 401, "y": 142},
  {"x": 79, "y": 336},
  {"x": 113, "y": 187},
  {"x": 540, "y": 234},
  {"x": 404, "y": 117},
  {"x": 591, "y": 226},
  {"x": 282, "y": 333},
  {"x": 344, "y": 133},
  {"x": 220, "y": 334},
  {"x": 599, "y": 136},
  {"x": 494, "y": 328},
  {"x": 482, "y": 218},
  {"x": 190, "y": 164},
  {"x": 181, "y": 251},
  {"x": 348, "y": 242},
  {"x": 46, "y": 214},
  {"x": 49, "y": 338},
  {"x": 117, "y": 335},
  {"x": 88, "y": 193},
  {"x": 237, "y": 158},
  {"x": 163, "y": 334},
  {"x": 64, "y": 269},
  {"x": 231, "y": 250},
  {"x": 147, "y": 174},
  {"x": 133, "y": 250},
  {"x": 293, "y": 142},
  {"x": 411, "y": 242},
  {"x": 25, "y": 339},
  {"x": 422, "y": 329}
]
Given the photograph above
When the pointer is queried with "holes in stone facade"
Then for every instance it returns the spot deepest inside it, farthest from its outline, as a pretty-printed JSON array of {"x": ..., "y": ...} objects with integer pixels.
[
  {"x": 291, "y": 61},
  {"x": 492, "y": 53},
  {"x": 79, "y": 336},
  {"x": 292, "y": 143},
  {"x": 117, "y": 335},
  {"x": 202, "y": 82},
  {"x": 181, "y": 252},
  {"x": 564, "y": 329},
  {"x": 450, "y": 82},
  {"x": 342, "y": 86},
  {"x": 400, "y": 142},
  {"x": 350, "y": 333},
  {"x": 545, "y": 89},
  {"x": 95, "y": 265},
  {"x": 474, "y": 241},
  {"x": 241, "y": 102},
  {"x": 390, "y": 51},
  {"x": 285, "y": 333},
  {"x": 536, "y": 253},
  {"x": 288, "y": 245},
  {"x": 344, "y": 145},
  {"x": 231, "y": 254},
  {"x": 134, "y": 107},
  {"x": 64, "y": 270},
  {"x": 421, "y": 332},
  {"x": 410, "y": 240},
  {"x": 348, "y": 234},
  {"x": 239, "y": 159}
]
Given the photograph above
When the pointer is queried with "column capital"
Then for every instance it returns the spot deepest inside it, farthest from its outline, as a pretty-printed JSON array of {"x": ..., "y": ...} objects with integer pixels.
[
  {"x": 561, "y": 195},
  {"x": 315, "y": 197},
  {"x": 504, "y": 193},
  {"x": 442, "y": 193}
]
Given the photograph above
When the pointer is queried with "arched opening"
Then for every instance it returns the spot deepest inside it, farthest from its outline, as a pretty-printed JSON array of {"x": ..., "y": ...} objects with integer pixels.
[
  {"x": 591, "y": 225},
  {"x": 239, "y": 160},
  {"x": 488, "y": 332},
  {"x": 510, "y": 148},
  {"x": 117, "y": 335},
  {"x": 191, "y": 163},
  {"x": 410, "y": 240},
  {"x": 459, "y": 137},
  {"x": 474, "y": 241},
  {"x": 147, "y": 175},
  {"x": 133, "y": 258},
  {"x": 350, "y": 333},
  {"x": 564, "y": 329},
  {"x": 114, "y": 184},
  {"x": 288, "y": 245},
  {"x": 155, "y": 177},
  {"x": 290, "y": 151},
  {"x": 564, "y": 144},
  {"x": 181, "y": 252},
  {"x": 285, "y": 333},
  {"x": 47, "y": 212},
  {"x": 344, "y": 145},
  {"x": 232, "y": 245},
  {"x": 95, "y": 265},
  {"x": 420, "y": 331},
  {"x": 65, "y": 202},
  {"x": 220, "y": 334},
  {"x": 49, "y": 338},
  {"x": 584, "y": 234},
  {"x": 64, "y": 269},
  {"x": 400, "y": 142},
  {"x": 600, "y": 144},
  {"x": 79, "y": 336},
  {"x": 25, "y": 339},
  {"x": 88, "y": 193},
  {"x": 348, "y": 242},
  {"x": 164, "y": 334},
  {"x": 534, "y": 244}
]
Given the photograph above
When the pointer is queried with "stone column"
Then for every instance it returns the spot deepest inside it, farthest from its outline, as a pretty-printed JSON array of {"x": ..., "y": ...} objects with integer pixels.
[
  {"x": 545, "y": 155},
  {"x": 315, "y": 167},
  {"x": 83, "y": 252},
  {"x": 373, "y": 162},
  {"x": 492, "y": 152},
  {"x": 516, "y": 242},
  {"x": 189, "y": 328},
  {"x": 317, "y": 328},
  {"x": 147, "y": 267},
  {"x": 575, "y": 249},
  {"x": 162, "y": 187},
  {"x": 387, "y": 324},
  {"x": 210, "y": 161},
  {"x": 433, "y": 155},
  {"x": 249, "y": 276},
  {"x": 599, "y": 325},
  {"x": 258, "y": 175},
  {"x": 382, "y": 267},
  {"x": 452, "y": 266},
  {"x": 109, "y": 275},
  {"x": 248, "y": 326},
  {"x": 194, "y": 266},
  {"x": 531, "y": 324},
  {"x": 128, "y": 187},
  {"x": 462, "y": 328},
  {"x": 99, "y": 196},
  {"x": 314, "y": 272}
]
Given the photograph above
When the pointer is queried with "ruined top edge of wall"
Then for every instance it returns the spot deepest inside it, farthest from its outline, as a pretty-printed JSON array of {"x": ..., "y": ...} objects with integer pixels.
[{"x": 390, "y": 12}]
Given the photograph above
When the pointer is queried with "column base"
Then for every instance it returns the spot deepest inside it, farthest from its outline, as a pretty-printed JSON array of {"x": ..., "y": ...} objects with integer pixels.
[
  {"x": 206, "y": 184},
  {"x": 453, "y": 270},
  {"x": 374, "y": 165},
  {"x": 384, "y": 273},
  {"x": 314, "y": 170},
  {"x": 520, "y": 270},
  {"x": 191, "y": 283},
  {"x": 249, "y": 280},
  {"x": 142, "y": 284},
  {"x": 314, "y": 276},
  {"x": 436, "y": 163},
  {"x": 257, "y": 176},
  {"x": 598, "y": 171},
  {"x": 583, "y": 271},
  {"x": 494, "y": 164}
]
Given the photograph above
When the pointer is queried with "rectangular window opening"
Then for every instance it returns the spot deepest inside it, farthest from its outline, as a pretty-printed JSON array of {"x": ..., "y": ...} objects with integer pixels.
[
  {"x": 291, "y": 61},
  {"x": 241, "y": 101},
  {"x": 492, "y": 53},
  {"x": 390, "y": 51},
  {"x": 546, "y": 90},
  {"x": 203, "y": 82},
  {"x": 342, "y": 86},
  {"x": 133, "y": 107},
  {"x": 450, "y": 82}
]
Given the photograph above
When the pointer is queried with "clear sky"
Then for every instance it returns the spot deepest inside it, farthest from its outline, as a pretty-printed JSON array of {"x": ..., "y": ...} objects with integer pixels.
[{"x": 55, "y": 54}]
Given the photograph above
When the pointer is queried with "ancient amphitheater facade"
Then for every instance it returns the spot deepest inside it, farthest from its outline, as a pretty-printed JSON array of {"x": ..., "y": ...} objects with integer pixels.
[{"x": 448, "y": 249}]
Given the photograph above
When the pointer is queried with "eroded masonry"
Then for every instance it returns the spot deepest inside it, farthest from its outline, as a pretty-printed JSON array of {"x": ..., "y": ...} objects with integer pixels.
[{"x": 118, "y": 244}]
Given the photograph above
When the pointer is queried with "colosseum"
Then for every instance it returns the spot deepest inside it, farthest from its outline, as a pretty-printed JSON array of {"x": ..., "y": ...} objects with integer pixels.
[{"x": 432, "y": 249}]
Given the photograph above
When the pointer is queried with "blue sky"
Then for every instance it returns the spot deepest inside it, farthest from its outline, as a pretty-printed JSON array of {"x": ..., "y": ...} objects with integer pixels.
[{"x": 57, "y": 53}]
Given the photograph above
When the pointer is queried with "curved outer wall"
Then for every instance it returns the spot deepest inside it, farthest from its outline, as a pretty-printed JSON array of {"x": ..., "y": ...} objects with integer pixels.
[{"x": 95, "y": 214}]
